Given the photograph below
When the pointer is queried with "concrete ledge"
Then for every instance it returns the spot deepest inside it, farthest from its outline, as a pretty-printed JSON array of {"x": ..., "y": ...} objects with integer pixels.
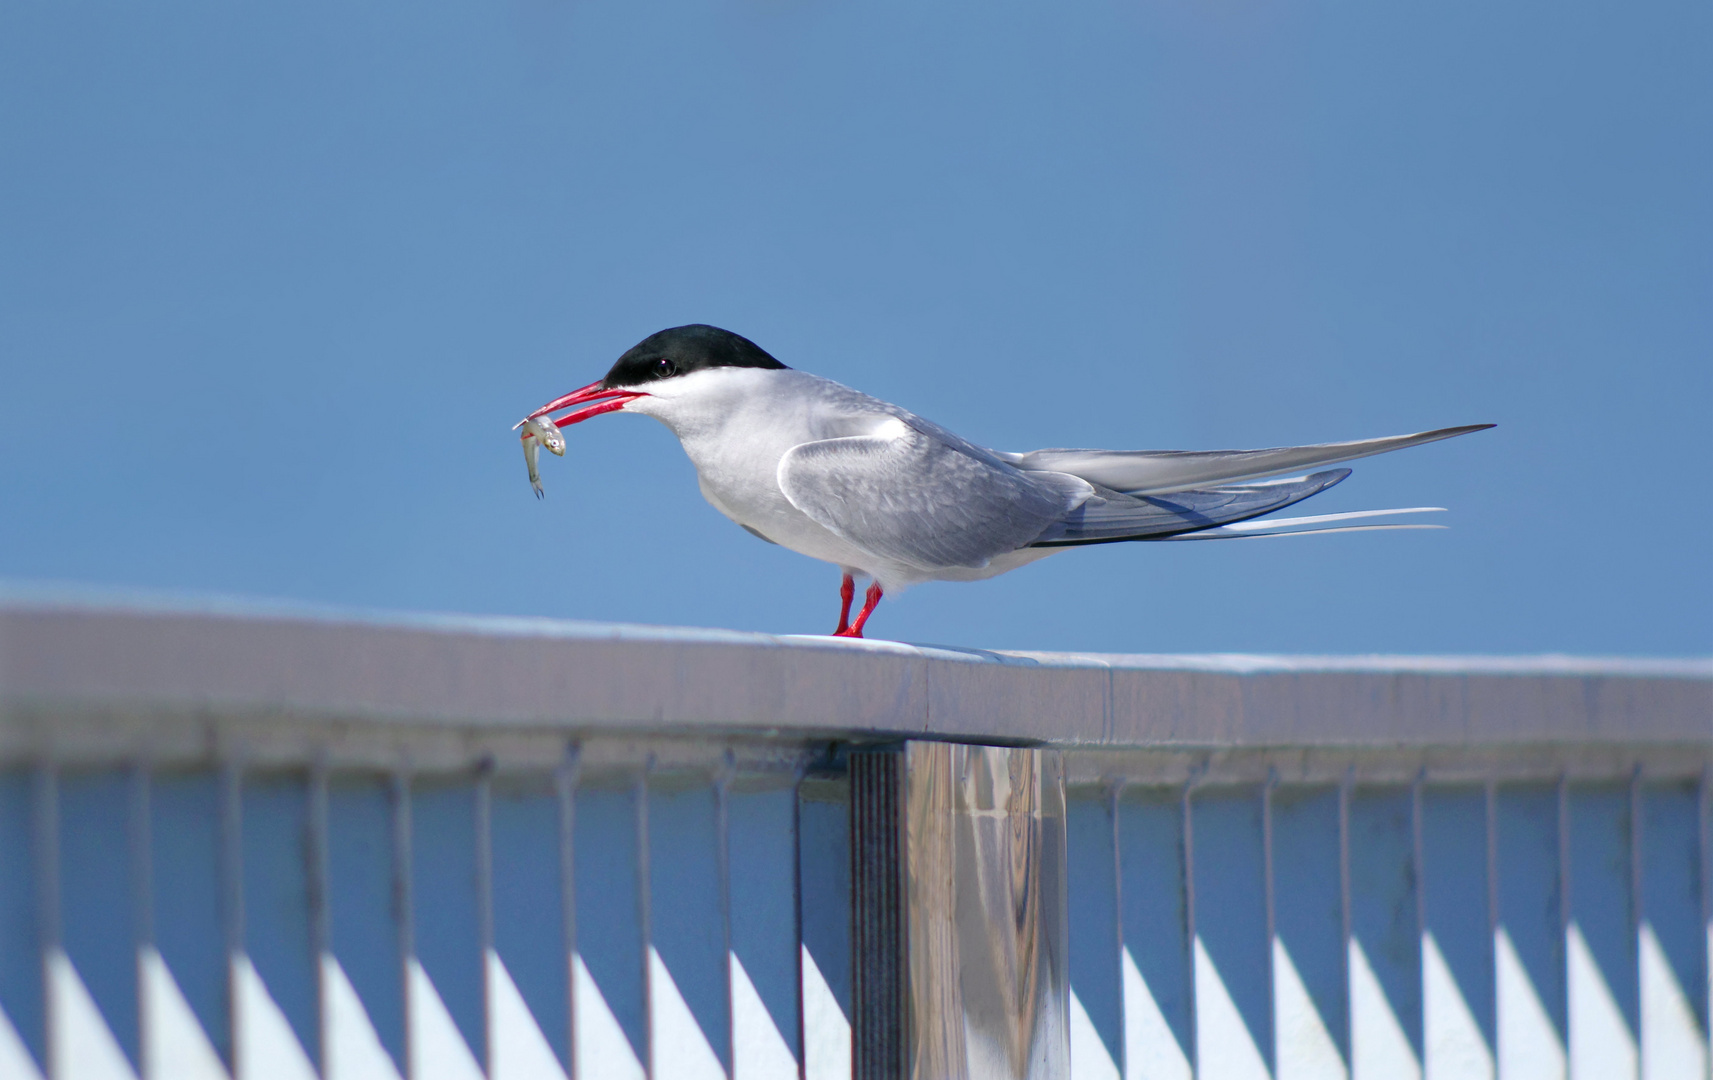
[{"x": 60, "y": 659}]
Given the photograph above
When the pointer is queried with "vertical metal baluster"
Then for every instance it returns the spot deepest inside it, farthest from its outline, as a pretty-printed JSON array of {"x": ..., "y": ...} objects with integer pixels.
[
  {"x": 1636, "y": 899},
  {"x": 1271, "y": 917},
  {"x": 861, "y": 1008},
  {"x": 1346, "y": 912},
  {"x": 1492, "y": 792},
  {"x": 1564, "y": 910},
  {"x": 1705, "y": 822},
  {"x": 403, "y": 915},
  {"x": 143, "y": 917},
  {"x": 321, "y": 925},
  {"x": 1115, "y": 788},
  {"x": 1418, "y": 868},
  {"x": 565, "y": 787},
  {"x": 485, "y": 901},
  {"x": 797, "y": 915},
  {"x": 722, "y": 858},
  {"x": 46, "y": 806},
  {"x": 1189, "y": 868},
  {"x": 644, "y": 913},
  {"x": 232, "y": 893}
]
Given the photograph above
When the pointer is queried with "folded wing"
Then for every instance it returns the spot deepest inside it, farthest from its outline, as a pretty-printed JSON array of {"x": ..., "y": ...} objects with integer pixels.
[
  {"x": 914, "y": 498},
  {"x": 1161, "y": 472},
  {"x": 1110, "y": 516}
]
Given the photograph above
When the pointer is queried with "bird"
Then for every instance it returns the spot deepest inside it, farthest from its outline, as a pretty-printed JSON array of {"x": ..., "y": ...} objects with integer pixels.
[{"x": 883, "y": 494}]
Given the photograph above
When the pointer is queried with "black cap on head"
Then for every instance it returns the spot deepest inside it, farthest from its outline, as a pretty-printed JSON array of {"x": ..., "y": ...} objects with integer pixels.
[{"x": 684, "y": 349}]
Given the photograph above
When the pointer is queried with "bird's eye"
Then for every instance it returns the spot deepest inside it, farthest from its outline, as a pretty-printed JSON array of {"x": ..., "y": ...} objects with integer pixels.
[{"x": 664, "y": 368}]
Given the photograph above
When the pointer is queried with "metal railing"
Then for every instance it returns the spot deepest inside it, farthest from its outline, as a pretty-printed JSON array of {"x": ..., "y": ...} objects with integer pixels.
[{"x": 250, "y": 844}]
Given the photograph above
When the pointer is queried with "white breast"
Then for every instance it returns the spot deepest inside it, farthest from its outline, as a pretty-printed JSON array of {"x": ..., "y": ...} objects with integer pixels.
[{"x": 736, "y": 423}]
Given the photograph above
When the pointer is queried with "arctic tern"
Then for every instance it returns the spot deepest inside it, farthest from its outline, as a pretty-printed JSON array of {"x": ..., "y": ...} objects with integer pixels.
[{"x": 834, "y": 474}]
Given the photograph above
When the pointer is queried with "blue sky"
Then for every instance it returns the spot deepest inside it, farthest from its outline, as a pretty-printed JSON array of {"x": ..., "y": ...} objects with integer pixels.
[{"x": 276, "y": 279}]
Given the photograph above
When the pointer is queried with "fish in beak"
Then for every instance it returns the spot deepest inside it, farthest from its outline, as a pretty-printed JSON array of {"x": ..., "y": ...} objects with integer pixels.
[{"x": 540, "y": 429}]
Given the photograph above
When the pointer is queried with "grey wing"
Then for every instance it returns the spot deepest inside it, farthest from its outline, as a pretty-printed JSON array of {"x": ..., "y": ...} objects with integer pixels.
[
  {"x": 912, "y": 498},
  {"x": 1111, "y": 516},
  {"x": 1158, "y": 472}
]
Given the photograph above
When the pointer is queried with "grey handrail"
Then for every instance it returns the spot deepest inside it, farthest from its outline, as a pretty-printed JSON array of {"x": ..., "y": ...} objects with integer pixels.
[{"x": 66, "y": 659}]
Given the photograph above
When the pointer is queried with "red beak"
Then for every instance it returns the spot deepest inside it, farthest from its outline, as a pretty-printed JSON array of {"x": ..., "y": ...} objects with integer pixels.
[{"x": 610, "y": 400}]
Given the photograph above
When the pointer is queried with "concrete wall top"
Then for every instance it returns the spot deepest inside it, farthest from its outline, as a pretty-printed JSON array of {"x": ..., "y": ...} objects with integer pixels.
[{"x": 62, "y": 656}]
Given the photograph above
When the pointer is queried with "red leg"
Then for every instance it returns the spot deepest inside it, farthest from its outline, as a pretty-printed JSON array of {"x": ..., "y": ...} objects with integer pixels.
[
  {"x": 869, "y": 603},
  {"x": 847, "y": 591}
]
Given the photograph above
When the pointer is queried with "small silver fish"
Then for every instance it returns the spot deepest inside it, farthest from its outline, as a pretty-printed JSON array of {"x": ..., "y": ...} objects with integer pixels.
[{"x": 539, "y": 431}]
